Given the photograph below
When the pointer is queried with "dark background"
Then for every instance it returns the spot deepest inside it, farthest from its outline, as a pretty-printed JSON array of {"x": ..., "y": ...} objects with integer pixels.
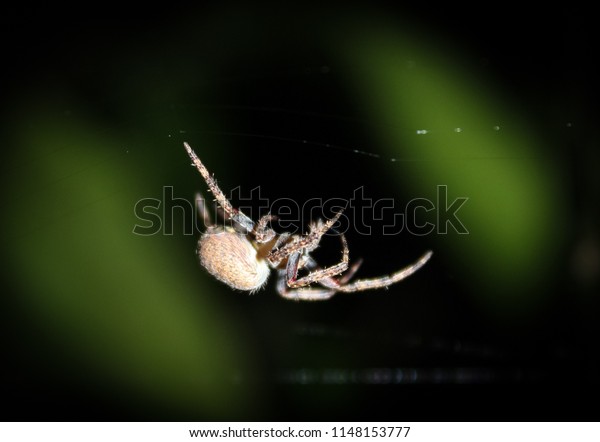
[{"x": 264, "y": 96}]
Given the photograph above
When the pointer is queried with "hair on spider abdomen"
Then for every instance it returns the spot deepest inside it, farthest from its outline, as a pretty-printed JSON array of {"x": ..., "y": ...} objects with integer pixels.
[{"x": 231, "y": 258}]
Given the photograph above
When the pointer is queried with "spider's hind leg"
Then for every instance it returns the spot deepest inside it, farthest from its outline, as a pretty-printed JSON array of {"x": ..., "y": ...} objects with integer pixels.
[{"x": 202, "y": 210}]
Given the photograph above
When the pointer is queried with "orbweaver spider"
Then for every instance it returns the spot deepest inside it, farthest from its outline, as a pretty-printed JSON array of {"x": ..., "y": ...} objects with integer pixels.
[{"x": 243, "y": 254}]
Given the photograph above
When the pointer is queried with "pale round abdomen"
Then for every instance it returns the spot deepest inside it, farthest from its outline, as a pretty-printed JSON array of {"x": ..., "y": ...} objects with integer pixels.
[{"x": 231, "y": 258}]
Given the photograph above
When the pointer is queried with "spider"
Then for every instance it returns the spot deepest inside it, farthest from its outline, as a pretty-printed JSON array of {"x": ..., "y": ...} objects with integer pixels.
[{"x": 243, "y": 254}]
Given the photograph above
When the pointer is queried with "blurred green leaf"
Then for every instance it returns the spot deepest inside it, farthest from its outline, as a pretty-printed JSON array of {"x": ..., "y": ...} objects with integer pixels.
[
  {"x": 445, "y": 128},
  {"x": 123, "y": 306}
]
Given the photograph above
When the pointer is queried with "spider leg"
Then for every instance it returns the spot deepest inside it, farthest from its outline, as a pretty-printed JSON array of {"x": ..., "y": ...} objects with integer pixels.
[
  {"x": 318, "y": 275},
  {"x": 302, "y": 294},
  {"x": 350, "y": 273},
  {"x": 262, "y": 232},
  {"x": 235, "y": 215},
  {"x": 308, "y": 241},
  {"x": 334, "y": 283},
  {"x": 202, "y": 212},
  {"x": 281, "y": 240},
  {"x": 385, "y": 281}
]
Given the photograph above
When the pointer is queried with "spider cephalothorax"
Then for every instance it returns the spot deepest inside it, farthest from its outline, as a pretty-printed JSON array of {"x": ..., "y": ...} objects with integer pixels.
[{"x": 243, "y": 254}]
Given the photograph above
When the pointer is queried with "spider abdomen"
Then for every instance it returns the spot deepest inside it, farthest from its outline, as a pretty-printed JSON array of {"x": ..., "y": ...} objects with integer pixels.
[{"x": 231, "y": 258}]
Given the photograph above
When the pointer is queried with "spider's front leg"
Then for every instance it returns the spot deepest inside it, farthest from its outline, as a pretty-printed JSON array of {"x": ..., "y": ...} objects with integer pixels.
[
  {"x": 240, "y": 220},
  {"x": 387, "y": 280}
]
